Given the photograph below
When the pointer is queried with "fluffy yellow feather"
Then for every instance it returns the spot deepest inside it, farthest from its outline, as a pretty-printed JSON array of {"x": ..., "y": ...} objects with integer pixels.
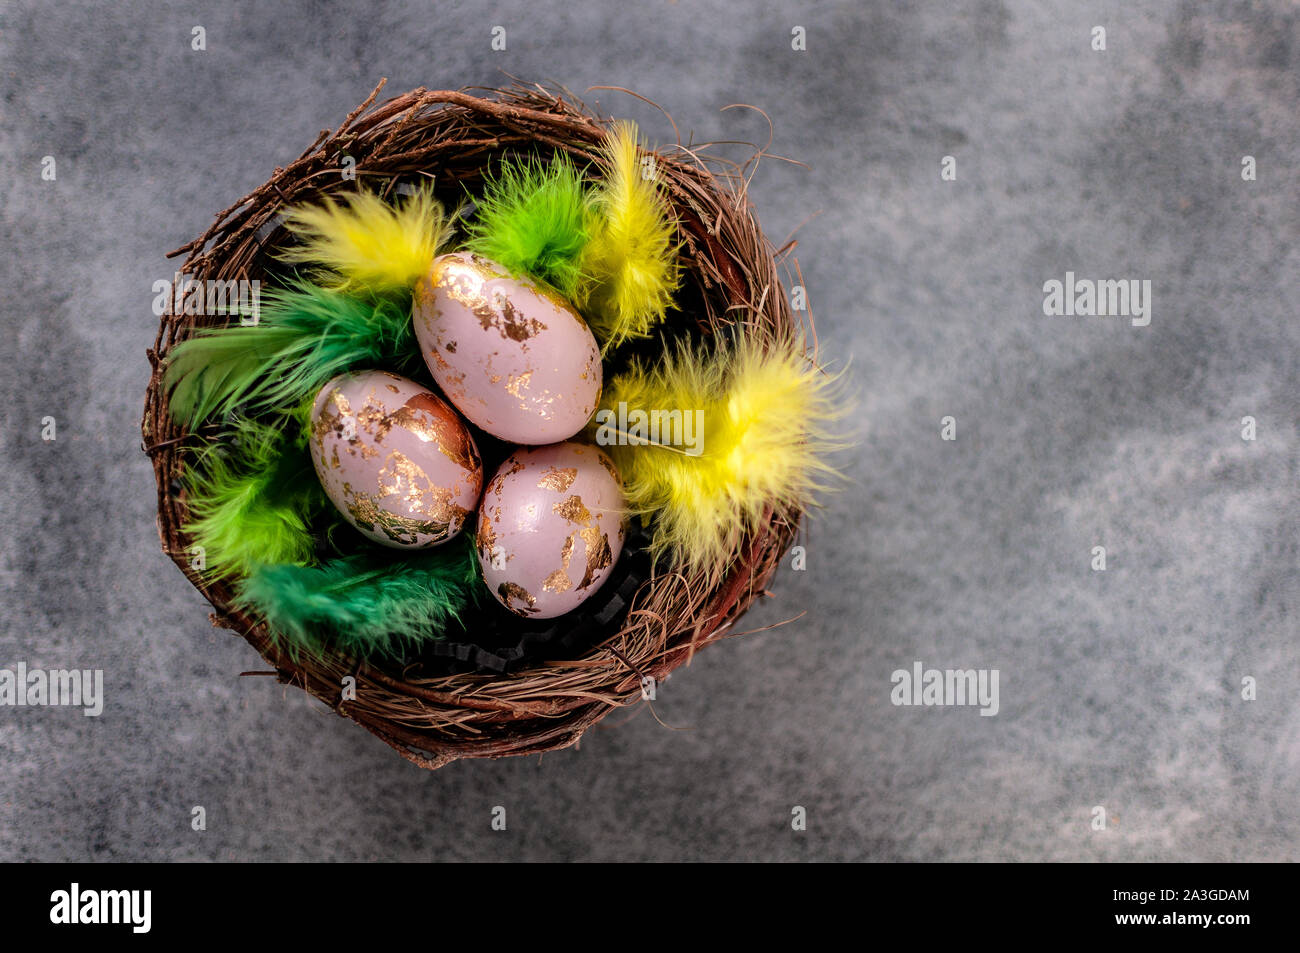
[
  {"x": 631, "y": 259},
  {"x": 765, "y": 419},
  {"x": 364, "y": 244}
]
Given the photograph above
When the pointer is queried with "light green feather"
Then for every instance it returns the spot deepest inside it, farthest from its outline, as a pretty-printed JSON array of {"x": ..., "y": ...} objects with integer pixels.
[
  {"x": 252, "y": 503},
  {"x": 535, "y": 218}
]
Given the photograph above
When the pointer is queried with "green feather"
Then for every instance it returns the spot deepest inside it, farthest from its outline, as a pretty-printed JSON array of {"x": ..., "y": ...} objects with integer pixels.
[
  {"x": 252, "y": 504},
  {"x": 365, "y": 604},
  {"x": 305, "y": 336},
  {"x": 535, "y": 219}
]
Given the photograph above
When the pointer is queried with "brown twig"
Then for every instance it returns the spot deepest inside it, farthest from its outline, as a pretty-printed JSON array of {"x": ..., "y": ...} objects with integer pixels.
[{"x": 732, "y": 270}]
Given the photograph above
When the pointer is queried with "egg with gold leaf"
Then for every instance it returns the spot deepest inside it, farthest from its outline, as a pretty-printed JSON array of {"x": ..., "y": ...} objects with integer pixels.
[
  {"x": 511, "y": 354},
  {"x": 550, "y": 528},
  {"x": 397, "y": 461}
]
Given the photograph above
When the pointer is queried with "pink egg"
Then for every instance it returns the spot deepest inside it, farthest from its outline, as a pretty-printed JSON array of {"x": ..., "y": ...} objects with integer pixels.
[
  {"x": 395, "y": 459},
  {"x": 550, "y": 528},
  {"x": 512, "y": 355}
]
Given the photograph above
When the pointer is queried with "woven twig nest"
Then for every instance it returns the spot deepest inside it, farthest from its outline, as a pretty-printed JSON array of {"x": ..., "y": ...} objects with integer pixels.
[{"x": 730, "y": 279}]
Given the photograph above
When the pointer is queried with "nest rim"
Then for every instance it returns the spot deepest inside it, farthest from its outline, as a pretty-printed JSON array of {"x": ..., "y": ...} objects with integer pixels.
[{"x": 432, "y": 720}]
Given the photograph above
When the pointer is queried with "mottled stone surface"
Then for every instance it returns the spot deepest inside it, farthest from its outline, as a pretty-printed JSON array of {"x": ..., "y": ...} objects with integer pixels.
[{"x": 1119, "y": 689}]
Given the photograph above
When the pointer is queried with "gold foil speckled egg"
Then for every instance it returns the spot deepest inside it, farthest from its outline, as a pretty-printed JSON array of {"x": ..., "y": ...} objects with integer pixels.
[{"x": 395, "y": 459}]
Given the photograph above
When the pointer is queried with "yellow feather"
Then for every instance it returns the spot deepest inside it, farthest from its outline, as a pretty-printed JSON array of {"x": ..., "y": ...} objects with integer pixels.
[
  {"x": 631, "y": 260},
  {"x": 363, "y": 243},
  {"x": 765, "y": 419}
]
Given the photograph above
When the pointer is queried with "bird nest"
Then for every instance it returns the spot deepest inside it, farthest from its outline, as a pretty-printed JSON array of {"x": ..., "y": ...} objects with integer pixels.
[{"x": 731, "y": 280}]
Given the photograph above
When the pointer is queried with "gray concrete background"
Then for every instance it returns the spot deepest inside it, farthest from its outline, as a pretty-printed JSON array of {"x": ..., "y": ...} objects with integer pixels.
[{"x": 1119, "y": 689}]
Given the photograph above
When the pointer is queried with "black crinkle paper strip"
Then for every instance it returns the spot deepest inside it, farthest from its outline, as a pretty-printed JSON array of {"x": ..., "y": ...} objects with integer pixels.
[{"x": 493, "y": 640}]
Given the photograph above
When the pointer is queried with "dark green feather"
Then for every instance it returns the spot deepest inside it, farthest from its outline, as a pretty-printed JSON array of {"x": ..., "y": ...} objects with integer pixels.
[
  {"x": 305, "y": 335},
  {"x": 372, "y": 603}
]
